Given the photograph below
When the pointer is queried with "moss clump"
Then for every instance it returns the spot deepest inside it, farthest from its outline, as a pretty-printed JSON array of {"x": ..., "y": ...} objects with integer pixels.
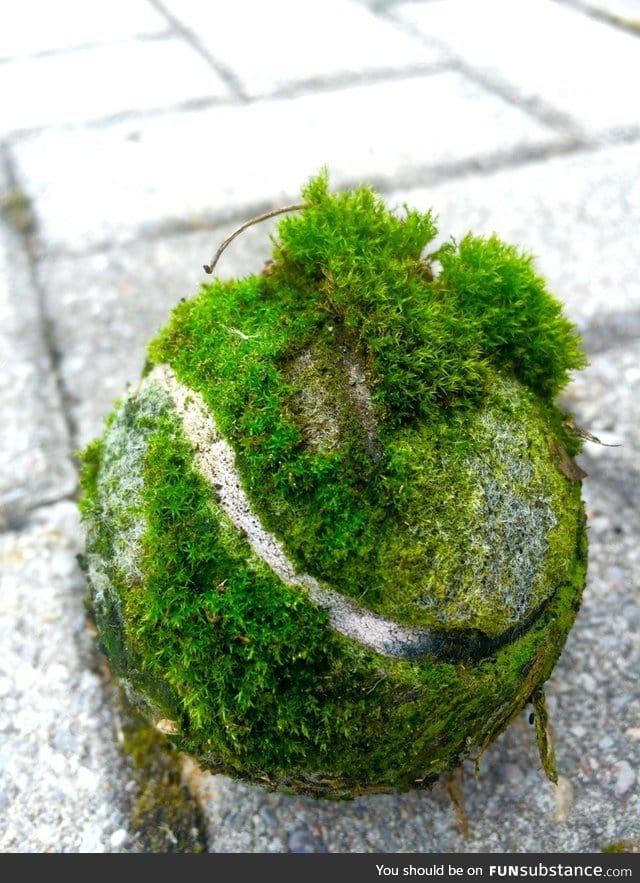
[
  {"x": 622, "y": 846},
  {"x": 329, "y": 543},
  {"x": 17, "y": 210},
  {"x": 164, "y": 816}
]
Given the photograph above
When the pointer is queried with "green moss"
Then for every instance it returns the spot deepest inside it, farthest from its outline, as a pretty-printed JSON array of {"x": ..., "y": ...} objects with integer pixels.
[
  {"x": 478, "y": 482},
  {"x": 17, "y": 209},
  {"x": 275, "y": 359},
  {"x": 522, "y": 327},
  {"x": 164, "y": 816},
  {"x": 622, "y": 846},
  {"x": 112, "y": 509},
  {"x": 395, "y": 428},
  {"x": 265, "y": 690}
]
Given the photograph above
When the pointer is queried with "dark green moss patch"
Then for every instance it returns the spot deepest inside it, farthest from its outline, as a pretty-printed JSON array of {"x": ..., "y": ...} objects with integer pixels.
[{"x": 164, "y": 816}]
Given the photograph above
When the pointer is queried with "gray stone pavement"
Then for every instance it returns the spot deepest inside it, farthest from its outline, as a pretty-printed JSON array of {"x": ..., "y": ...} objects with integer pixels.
[{"x": 134, "y": 137}]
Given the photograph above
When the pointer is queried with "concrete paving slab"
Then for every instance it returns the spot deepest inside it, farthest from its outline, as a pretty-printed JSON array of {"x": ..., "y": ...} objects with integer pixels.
[
  {"x": 70, "y": 780},
  {"x": 544, "y": 54},
  {"x": 107, "y": 185},
  {"x": 62, "y": 779},
  {"x": 278, "y": 45},
  {"x": 595, "y": 397},
  {"x": 33, "y": 27},
  {"x": 116, "y": 79},
  {"x": 35, "y": 463}
]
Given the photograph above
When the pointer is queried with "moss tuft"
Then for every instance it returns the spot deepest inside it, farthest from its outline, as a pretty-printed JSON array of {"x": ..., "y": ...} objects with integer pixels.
[{"x": 522, "y": 326}]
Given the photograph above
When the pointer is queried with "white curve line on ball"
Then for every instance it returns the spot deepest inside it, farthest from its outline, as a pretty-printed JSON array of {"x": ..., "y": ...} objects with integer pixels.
[{"x": 216, "y": 462}]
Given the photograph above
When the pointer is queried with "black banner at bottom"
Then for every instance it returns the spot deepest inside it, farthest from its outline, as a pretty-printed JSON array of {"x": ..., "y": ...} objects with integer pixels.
[{"x": 337, "y": 867}]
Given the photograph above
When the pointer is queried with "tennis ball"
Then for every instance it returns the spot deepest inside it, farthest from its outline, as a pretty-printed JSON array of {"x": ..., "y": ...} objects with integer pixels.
[{"x": 335, "y": 538}]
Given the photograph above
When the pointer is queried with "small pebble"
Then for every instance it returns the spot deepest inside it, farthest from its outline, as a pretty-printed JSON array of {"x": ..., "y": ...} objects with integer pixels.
[
  {"x": 625, "y": 779},
  {"x": 118, "y": 838},
  {"x": 564, "y": 799}
]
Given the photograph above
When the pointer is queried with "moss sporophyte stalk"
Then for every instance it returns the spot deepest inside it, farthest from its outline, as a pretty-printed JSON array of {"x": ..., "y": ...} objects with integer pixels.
[{"x": 335, "y": 538}]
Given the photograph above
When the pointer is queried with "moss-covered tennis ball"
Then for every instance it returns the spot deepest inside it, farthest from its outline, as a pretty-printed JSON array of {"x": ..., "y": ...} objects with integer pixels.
[{"x": 335, "y": 535}]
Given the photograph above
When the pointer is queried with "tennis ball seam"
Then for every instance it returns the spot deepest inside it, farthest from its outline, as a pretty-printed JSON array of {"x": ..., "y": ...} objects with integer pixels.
[{"x": 215, "y": 459}]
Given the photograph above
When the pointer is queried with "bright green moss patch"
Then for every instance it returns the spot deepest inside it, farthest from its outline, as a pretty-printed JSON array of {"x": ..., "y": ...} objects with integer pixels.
[
  {"x": 392, "y": 434},
  {"x": 211, "y": 613},
  {"x": 522, "y": 326}
]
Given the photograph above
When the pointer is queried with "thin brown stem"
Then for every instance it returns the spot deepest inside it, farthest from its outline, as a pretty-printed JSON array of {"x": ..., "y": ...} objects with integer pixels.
[{"x": 208, "y": 268}]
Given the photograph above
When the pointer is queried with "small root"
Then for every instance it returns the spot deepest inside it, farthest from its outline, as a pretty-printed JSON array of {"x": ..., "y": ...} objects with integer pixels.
[{"x": 454, "y": 786}]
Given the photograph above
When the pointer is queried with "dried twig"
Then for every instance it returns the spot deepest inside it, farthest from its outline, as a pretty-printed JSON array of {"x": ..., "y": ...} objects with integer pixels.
[{"x": 208, "y": 268}]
